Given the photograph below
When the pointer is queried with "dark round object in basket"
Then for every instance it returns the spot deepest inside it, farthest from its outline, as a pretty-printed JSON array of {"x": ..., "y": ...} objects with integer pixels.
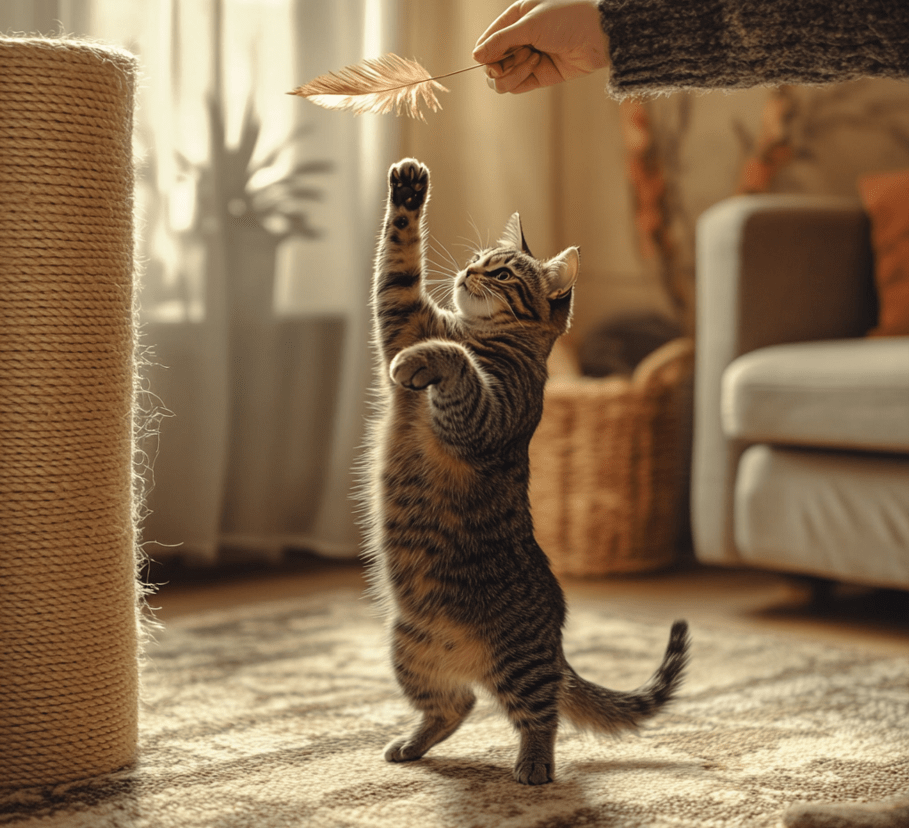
[{"x": 617, "y": 345}]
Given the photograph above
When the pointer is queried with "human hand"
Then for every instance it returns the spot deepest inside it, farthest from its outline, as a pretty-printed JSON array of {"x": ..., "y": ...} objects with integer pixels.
[{"x": 536, "y": 43}]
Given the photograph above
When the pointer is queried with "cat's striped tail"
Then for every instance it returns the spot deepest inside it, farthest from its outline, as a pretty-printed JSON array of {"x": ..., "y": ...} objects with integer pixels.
[{"x": 591, "y": 707}]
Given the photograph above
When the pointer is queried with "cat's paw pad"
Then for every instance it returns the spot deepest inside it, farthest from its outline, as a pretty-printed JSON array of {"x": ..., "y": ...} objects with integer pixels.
[
  {"x": 529, "y": 772},
  {"x": 410, "y": 370},
  {"x": 402, "y": 750},
  {"x": 408, "y": 182}
]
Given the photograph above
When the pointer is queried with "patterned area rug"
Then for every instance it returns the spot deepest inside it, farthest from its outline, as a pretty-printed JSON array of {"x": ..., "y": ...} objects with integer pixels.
[{"x": 275, "y": 714}]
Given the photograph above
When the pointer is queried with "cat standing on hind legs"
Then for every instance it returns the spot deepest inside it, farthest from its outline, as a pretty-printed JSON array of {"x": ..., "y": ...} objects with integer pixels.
[{"x": 471, "y": 599}]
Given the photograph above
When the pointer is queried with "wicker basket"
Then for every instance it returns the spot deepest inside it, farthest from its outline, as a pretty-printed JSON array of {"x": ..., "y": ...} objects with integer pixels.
[{"x": 609, "y": 466}]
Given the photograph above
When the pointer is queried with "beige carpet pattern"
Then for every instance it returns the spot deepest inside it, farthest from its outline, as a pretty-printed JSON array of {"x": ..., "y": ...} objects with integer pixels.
[{"x": 275, "y": 714}]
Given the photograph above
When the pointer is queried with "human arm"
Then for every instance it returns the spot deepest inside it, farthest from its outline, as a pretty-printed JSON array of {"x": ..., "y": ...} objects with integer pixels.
[
  {"x": 664, "y": 45},
  {"x": 657, "y": 46}
]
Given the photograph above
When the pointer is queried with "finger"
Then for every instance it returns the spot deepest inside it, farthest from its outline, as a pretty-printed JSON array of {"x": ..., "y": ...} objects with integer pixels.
[
  {"x": 529, "y": 85},
  {"x": 545, "y": 73},
  {"x": 482, "y": 52},
  {"x": 505, "y": 19},
  {"x": 518, "y": 76},
  {"x": 508, "y": 63}
]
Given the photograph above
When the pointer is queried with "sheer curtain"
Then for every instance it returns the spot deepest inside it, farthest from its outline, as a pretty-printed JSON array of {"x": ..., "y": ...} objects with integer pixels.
[{"x": 257, "y": 213}]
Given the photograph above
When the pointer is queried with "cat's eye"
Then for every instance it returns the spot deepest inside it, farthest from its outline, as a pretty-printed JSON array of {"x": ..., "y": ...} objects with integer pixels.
[{"x": 501, "y": 274}]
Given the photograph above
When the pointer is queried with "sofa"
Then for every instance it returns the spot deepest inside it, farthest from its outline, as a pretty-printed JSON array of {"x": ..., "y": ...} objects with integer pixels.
[{"x": 801, "y": 420}]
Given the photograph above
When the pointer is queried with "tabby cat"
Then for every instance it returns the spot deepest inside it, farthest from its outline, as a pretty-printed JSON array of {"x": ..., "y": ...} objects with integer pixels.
[{"x": 470, "y": 595}]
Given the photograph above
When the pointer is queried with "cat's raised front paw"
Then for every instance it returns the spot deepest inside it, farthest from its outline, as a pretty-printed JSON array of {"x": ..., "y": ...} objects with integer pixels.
[{"x": 408, "y": 183}]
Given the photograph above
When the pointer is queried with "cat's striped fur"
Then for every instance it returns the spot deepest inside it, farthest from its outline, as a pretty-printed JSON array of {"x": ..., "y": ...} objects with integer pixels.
[{"x": 471, "y": 597}]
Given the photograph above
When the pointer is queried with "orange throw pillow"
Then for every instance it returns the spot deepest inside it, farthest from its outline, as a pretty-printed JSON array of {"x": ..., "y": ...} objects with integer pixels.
[{"x": 886, "y": 198}]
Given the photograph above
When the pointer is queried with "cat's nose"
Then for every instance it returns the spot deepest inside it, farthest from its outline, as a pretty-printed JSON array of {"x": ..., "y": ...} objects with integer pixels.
[{"x": 467, "y": 282}]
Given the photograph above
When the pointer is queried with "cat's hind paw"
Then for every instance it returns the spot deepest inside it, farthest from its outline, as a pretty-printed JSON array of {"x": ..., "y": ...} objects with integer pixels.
[
  {"x": 402, "y": 750},
  {"x": 408, "y": 183},
  {"x": 528, "y": 772}
]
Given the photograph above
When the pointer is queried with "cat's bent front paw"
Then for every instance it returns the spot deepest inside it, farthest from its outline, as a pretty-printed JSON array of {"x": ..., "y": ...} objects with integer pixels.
[
  {"x": 411, "y": 370},
  {"x": 402, "y": 750},
  {"x": 408, "y": 182}
]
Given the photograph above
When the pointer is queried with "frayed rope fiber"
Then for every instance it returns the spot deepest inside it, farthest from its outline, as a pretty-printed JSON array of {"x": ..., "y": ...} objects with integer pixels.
[{"x": 69, "y": 634}]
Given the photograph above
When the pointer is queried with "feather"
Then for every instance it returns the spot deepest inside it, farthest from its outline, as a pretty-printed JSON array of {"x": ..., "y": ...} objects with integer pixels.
[{"x": 381, "y": 85}]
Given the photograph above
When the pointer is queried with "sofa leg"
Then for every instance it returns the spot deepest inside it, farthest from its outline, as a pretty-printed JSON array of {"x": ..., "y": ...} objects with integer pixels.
[{"x": 820, "y": 591}]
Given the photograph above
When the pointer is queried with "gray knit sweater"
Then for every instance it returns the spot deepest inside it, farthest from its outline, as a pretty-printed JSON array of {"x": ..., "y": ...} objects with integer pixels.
[{"x": 665, "y": 45}]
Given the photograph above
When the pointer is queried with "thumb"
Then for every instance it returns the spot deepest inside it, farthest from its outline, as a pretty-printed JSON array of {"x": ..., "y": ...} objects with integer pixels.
[
  {"x": 501, "y": 36},
  {"x": 500, "y": 45}
]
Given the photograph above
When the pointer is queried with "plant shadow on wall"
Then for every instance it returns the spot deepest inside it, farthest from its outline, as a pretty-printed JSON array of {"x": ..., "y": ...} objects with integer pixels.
[
  {"x": 257, "y": 219},
  {"x": 271, "y": 367}
]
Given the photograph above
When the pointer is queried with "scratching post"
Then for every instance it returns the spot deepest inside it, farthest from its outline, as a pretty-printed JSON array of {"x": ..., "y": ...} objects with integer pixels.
[{"x": 68, "y": 594}]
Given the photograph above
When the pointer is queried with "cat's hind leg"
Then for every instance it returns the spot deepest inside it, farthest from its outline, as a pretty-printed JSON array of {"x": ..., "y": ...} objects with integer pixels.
[
  {"x": 536, "y": 762},
  {"x": 443, "y": 712},
  {"x": 443, "y": 703},
  {"x": 527, "y": 683},
  {"x": 536, "y": 721}
]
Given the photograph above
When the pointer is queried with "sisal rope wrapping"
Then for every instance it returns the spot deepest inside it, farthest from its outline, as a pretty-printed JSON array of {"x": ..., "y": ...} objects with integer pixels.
[{"x": 68, "y": 590}]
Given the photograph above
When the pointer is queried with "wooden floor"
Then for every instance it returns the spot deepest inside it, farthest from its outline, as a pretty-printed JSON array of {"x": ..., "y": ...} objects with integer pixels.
[{"x": 876, "y": 620}]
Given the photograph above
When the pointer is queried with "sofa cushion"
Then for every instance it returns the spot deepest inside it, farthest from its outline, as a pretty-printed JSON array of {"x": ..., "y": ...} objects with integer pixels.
[
  {"x": 837, "y": 514},
  {"x": 849, "y": 393}
]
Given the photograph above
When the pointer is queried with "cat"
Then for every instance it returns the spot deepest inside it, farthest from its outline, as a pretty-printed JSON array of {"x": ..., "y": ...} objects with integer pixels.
[{"x": 471, "y": 599}]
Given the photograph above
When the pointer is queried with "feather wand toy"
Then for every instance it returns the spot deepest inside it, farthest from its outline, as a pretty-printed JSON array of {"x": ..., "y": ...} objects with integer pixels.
[{"x": 379, "y": 85}]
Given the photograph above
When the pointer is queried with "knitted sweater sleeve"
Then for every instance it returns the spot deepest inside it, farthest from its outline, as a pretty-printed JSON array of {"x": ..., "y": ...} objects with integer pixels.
[{"x": 666, "y": 45}]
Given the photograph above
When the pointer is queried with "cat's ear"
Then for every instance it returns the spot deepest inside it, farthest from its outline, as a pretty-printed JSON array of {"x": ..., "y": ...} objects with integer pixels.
[
  {"x": 562, "y": 272},
  {"x": 513, "y": 235}
]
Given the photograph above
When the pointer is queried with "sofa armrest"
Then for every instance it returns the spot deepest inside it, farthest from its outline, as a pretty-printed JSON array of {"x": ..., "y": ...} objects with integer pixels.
[
  {"x": 775, "y": 269},
  {"x": 770, "y": 270}
]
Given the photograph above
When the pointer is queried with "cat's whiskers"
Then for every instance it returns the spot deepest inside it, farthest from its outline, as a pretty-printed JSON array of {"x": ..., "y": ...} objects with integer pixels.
[
  {"x": 471, "y": 249},
  {"x": 441, "y": 290},
  {"x": 441, "y": 268},
  {"x": 488, "y": 293},
  {"x": 441, "y": 250},
  {"x": 507, "y": 304},
  {"x": 479, "y": 245},
  {"x": 443, "y": 293}
]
